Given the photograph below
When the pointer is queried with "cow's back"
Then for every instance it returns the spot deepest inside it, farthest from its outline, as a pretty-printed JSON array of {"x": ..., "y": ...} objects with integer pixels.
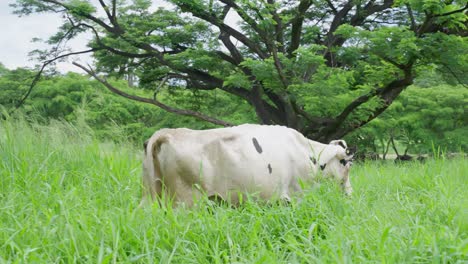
[{"x": 249, "y": 159}]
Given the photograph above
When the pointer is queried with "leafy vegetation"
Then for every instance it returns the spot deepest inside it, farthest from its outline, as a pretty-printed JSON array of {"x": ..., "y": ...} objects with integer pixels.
[
  {"x": 322, "y": 67},
  {"x": 424, "y": 117},
  {"x": 67, "y": 197},
  {"x": 76, "y": 98},
  {"x": 381, "y": 73}
]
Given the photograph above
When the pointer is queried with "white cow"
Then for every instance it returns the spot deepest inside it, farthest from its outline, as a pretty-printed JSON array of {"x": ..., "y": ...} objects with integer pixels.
[{"x": 269, "y": 161}]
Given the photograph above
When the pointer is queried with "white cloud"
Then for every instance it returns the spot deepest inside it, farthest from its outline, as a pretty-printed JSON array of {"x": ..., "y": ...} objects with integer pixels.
[{"x": 17, "y": 33}]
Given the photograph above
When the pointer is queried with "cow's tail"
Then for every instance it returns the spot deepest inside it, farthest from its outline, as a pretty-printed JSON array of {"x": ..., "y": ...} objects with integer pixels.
[{"x": 152, "y": 177}]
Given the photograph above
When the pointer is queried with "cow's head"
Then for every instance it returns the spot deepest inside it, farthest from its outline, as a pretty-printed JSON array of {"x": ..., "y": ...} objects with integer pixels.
[{"x": 339, "y": 164}]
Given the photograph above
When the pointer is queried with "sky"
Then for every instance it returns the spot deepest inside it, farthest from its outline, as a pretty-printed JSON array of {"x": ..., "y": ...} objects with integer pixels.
[{"x": 17, "y": 33}]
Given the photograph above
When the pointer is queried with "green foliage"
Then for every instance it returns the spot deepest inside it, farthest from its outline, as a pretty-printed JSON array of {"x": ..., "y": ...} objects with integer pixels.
[
  {"x": 66, "y": 197},
  {"x": 420, "y": 119},
  {"x": 13, "y": 85},
  {"x": 238, "y": 79},
  {"x": 3, "y": 70},
  {"x": 449, "y": 52},
  {"x": 76, "y": 98},
  {"x": 308, "y": 61},
  {"x": 308, "y": 57},
  {"x": 81, "y": 8}
]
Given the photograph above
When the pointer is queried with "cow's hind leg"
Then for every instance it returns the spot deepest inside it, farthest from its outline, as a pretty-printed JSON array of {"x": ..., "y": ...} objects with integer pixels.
[
  {"x": 285, "y": 199},
  {"x": 152, "y": 191},
  {"x": 186, "y": 194}
]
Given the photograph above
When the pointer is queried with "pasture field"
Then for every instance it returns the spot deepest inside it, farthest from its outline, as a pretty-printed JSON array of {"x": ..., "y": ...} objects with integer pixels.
[{"x": 65, "y": 197}]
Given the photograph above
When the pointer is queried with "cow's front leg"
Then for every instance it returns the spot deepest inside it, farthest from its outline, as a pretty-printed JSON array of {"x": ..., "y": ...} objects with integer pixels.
[
  {"x": 284, "y": 198},
  {"x": 346, "y": 186}
]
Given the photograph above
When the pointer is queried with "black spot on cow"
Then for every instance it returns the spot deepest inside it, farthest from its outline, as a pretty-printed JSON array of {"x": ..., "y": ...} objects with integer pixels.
[
  {"x": 322, "y": 167},
  {"x": 343, "y": 162},
  {"x": 341, "y": 144},
  {"x": 256, "y": 145},
  {"x": 314, "y": 161},
  {"x": 269, "y": 168}
]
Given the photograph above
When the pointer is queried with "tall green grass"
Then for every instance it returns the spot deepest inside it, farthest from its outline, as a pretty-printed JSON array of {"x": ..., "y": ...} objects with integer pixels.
[{"x": 67, "y": 198}]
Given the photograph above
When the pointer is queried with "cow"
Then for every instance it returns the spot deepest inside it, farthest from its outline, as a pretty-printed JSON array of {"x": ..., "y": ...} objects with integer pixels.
[{"x": 266, "y": 160}]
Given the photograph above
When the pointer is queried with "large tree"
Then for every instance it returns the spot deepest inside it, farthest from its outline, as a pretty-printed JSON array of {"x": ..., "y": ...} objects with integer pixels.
[{"x": 323, "y": 67}]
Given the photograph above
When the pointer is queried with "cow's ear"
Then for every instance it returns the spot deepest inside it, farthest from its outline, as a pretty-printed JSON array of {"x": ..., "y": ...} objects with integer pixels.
[
  {"x": 339, "y": 142},
  {"x": 339, "y": 148}
]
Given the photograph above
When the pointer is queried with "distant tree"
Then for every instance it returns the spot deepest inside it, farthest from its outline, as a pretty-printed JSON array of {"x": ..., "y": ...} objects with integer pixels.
[
  {"x": 79, "y": 100},
  {"x": 420, "y": 119},
  {"x": 3, "y": 69},
  {"x": 323, "y": 67},
  {"x": 435, "y": 115},
  {"x": 13, "y": 85}
]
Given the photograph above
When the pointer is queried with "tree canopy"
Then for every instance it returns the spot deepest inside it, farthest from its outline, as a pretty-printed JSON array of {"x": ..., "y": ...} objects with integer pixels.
[{"x": 322, "y": 67}]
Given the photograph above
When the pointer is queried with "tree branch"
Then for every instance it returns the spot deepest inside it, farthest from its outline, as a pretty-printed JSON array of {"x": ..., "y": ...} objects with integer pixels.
[
  {"x": 411, "y": 15},
  {"x": 394, "y": 63},
  {"x": 194, "y": 73},
  {"x": 259, "y": 105},
  {"x": 453, "y": 12},
  {"x": 116, "y": 51},
  {"x": 106, "y": 9},
  {"x": 278, "y": 27},
  {"x": 254, "y": 47},
  {"x": 332, "y": 7},
  {"x": 250, "y": 21},
  {"x": 86, "y": 15},
  {"x": 236, "y": 55},
  {"x": 114, "y": 7},
  {"x": 157, "y": 103},
  {"x": 156, "y": 91},
  {"x": 454, "y": 75},
  {"x": 357, "y": 19},
  {"x": 38, "y": 75},
  {"x": 296, "y": 29},
  {"x": 387, "y": 94}
]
